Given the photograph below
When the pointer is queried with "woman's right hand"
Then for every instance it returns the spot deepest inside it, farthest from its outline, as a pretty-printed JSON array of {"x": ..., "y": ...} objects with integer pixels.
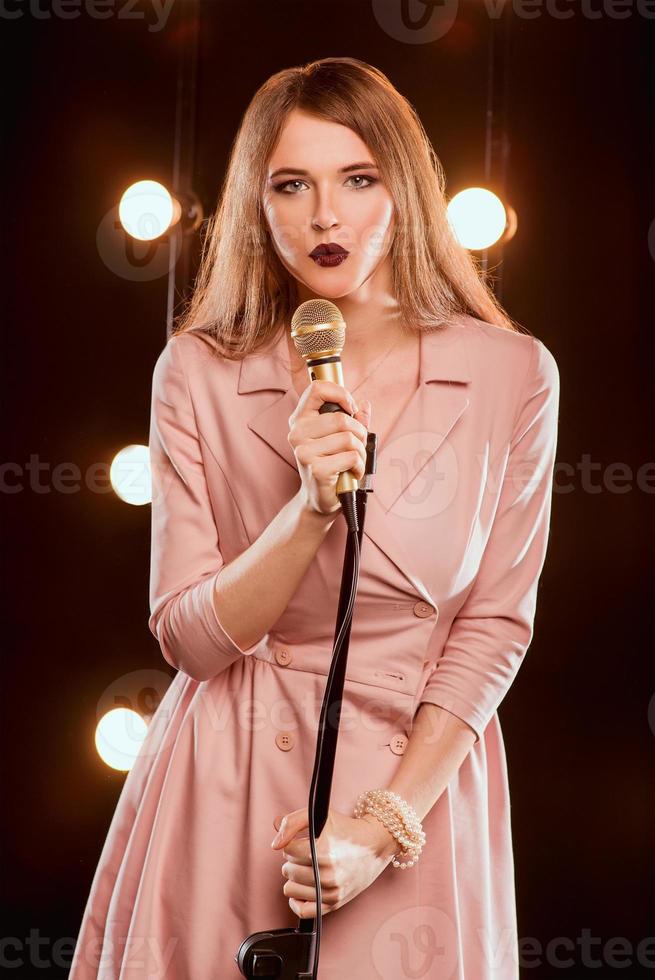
[{"x": 328, "y": 444}]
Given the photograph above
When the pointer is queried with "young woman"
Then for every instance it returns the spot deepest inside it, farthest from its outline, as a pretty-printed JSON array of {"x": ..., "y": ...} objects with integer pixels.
[{"x": 247, "y": 550}]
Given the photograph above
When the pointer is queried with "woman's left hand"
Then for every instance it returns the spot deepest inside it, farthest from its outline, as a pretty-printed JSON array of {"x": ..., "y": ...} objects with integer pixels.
[{"x": 351, "y": 853}]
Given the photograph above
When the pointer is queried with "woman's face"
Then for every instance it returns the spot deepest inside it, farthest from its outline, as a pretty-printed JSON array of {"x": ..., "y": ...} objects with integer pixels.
[{"x": 309, "y": 200}]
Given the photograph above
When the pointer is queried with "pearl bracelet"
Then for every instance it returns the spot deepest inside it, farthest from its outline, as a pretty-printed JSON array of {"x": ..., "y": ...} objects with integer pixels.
[{"x": 400, "y": 819}]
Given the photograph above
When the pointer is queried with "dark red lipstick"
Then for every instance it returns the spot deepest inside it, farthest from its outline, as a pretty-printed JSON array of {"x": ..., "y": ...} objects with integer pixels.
[{"x": 329, "y": 254}]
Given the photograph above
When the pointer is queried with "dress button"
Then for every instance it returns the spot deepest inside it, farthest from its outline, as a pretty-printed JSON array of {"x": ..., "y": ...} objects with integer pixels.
[
  {"x": 283, "y": 657},
  {"x": 423, "y": 610},
  {"x": 398, "y": 744},
  {"x": 284, "y": 741}
]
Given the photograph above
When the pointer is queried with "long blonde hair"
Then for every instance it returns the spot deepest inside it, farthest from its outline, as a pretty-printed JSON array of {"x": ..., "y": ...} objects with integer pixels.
[{"x": 243, "y": 292}]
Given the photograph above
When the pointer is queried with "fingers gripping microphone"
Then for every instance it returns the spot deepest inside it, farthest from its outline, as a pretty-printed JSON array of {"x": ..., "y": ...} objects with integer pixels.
[{"x": 319, "y": 333}]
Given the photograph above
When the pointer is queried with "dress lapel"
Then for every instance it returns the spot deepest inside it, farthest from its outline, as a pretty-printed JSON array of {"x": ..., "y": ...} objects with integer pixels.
[
  {"x": 405, "y": 464},
  {"x": 270, "y": 370}
]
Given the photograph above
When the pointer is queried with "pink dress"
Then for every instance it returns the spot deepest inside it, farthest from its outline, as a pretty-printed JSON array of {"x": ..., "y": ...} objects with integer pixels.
[{"x": 455, "y": 539}]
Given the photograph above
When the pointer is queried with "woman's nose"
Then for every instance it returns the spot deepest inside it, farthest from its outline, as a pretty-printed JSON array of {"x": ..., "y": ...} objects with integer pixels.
[{"x": 324, "y": 216}]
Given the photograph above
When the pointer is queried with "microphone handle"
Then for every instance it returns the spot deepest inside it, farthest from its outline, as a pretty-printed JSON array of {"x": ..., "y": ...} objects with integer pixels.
[{"x": 330, "y": 369}]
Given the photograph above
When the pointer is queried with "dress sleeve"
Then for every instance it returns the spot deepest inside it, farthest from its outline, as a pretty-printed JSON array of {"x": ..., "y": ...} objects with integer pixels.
[
  {"x": 185, "y": 557},
  {"x": 493, "y": 629}
]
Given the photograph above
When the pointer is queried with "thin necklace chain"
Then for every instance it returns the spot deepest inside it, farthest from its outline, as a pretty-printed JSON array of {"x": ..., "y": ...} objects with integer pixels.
[
  {"x": 379, "y": 364},
  {"x": 393, "y": 346}
]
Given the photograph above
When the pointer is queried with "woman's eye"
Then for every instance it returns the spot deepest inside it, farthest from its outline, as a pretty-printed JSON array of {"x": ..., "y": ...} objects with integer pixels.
[
  {"x": 282, "y": 188},
  {"x": 371, "y": 180}
]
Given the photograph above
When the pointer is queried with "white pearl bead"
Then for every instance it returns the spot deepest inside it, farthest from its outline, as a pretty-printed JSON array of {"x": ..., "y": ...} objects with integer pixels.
[{"x": 399, "y": 818}]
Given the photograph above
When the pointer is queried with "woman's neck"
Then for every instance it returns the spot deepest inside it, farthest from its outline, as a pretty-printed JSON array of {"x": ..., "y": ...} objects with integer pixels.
[
  {"x": 361, "y": 359},
  {"x": 365, "y": 344},
  {"x": 373, "y": 321}
]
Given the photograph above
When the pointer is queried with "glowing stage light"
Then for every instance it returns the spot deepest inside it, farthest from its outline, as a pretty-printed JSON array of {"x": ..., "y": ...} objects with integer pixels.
[
  {"x": 479, "y": 218},
  {"x": 147, "y": 210},
  {"x": 119, "y": 736},
  {"x": 129, "y": 475}
]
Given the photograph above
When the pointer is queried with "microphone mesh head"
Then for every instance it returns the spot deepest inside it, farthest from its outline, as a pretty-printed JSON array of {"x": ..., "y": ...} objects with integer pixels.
[{"x": 317, "y": 328}]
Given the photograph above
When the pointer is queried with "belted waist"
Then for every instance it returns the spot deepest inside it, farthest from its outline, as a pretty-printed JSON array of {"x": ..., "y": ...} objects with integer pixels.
[{"x": 317, "y": 658}]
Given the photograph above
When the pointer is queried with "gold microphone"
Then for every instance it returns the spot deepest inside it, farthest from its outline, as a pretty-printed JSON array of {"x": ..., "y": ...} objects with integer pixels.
[{"x": 319, "y": 333}]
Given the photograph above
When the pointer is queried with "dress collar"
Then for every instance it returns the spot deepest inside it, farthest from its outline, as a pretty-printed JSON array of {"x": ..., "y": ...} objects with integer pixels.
[{"x": 398, "y": 512}]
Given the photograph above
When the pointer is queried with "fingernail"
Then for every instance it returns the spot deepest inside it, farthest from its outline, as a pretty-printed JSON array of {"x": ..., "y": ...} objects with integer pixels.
[{"x": 276, "y": 840}]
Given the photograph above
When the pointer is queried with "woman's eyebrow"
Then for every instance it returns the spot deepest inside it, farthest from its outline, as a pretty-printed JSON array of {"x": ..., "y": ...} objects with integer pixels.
[{"x": 305, "y": 173}]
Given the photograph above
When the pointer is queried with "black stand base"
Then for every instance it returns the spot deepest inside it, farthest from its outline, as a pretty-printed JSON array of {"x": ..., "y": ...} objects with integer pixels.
[{"x": 276, "y": 953}]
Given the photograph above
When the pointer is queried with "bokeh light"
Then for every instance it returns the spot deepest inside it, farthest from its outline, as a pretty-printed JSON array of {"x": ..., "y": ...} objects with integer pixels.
[
  {"x": 478, "y": 217},
  {"x": 129, "y": 475},
  {"x": 119, "y": 736},
  {"x": 146, "y": 210}
]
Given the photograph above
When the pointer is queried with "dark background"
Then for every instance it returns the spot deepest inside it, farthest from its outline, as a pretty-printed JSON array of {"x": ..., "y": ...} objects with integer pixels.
[{"x": 89, "y": 107}]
